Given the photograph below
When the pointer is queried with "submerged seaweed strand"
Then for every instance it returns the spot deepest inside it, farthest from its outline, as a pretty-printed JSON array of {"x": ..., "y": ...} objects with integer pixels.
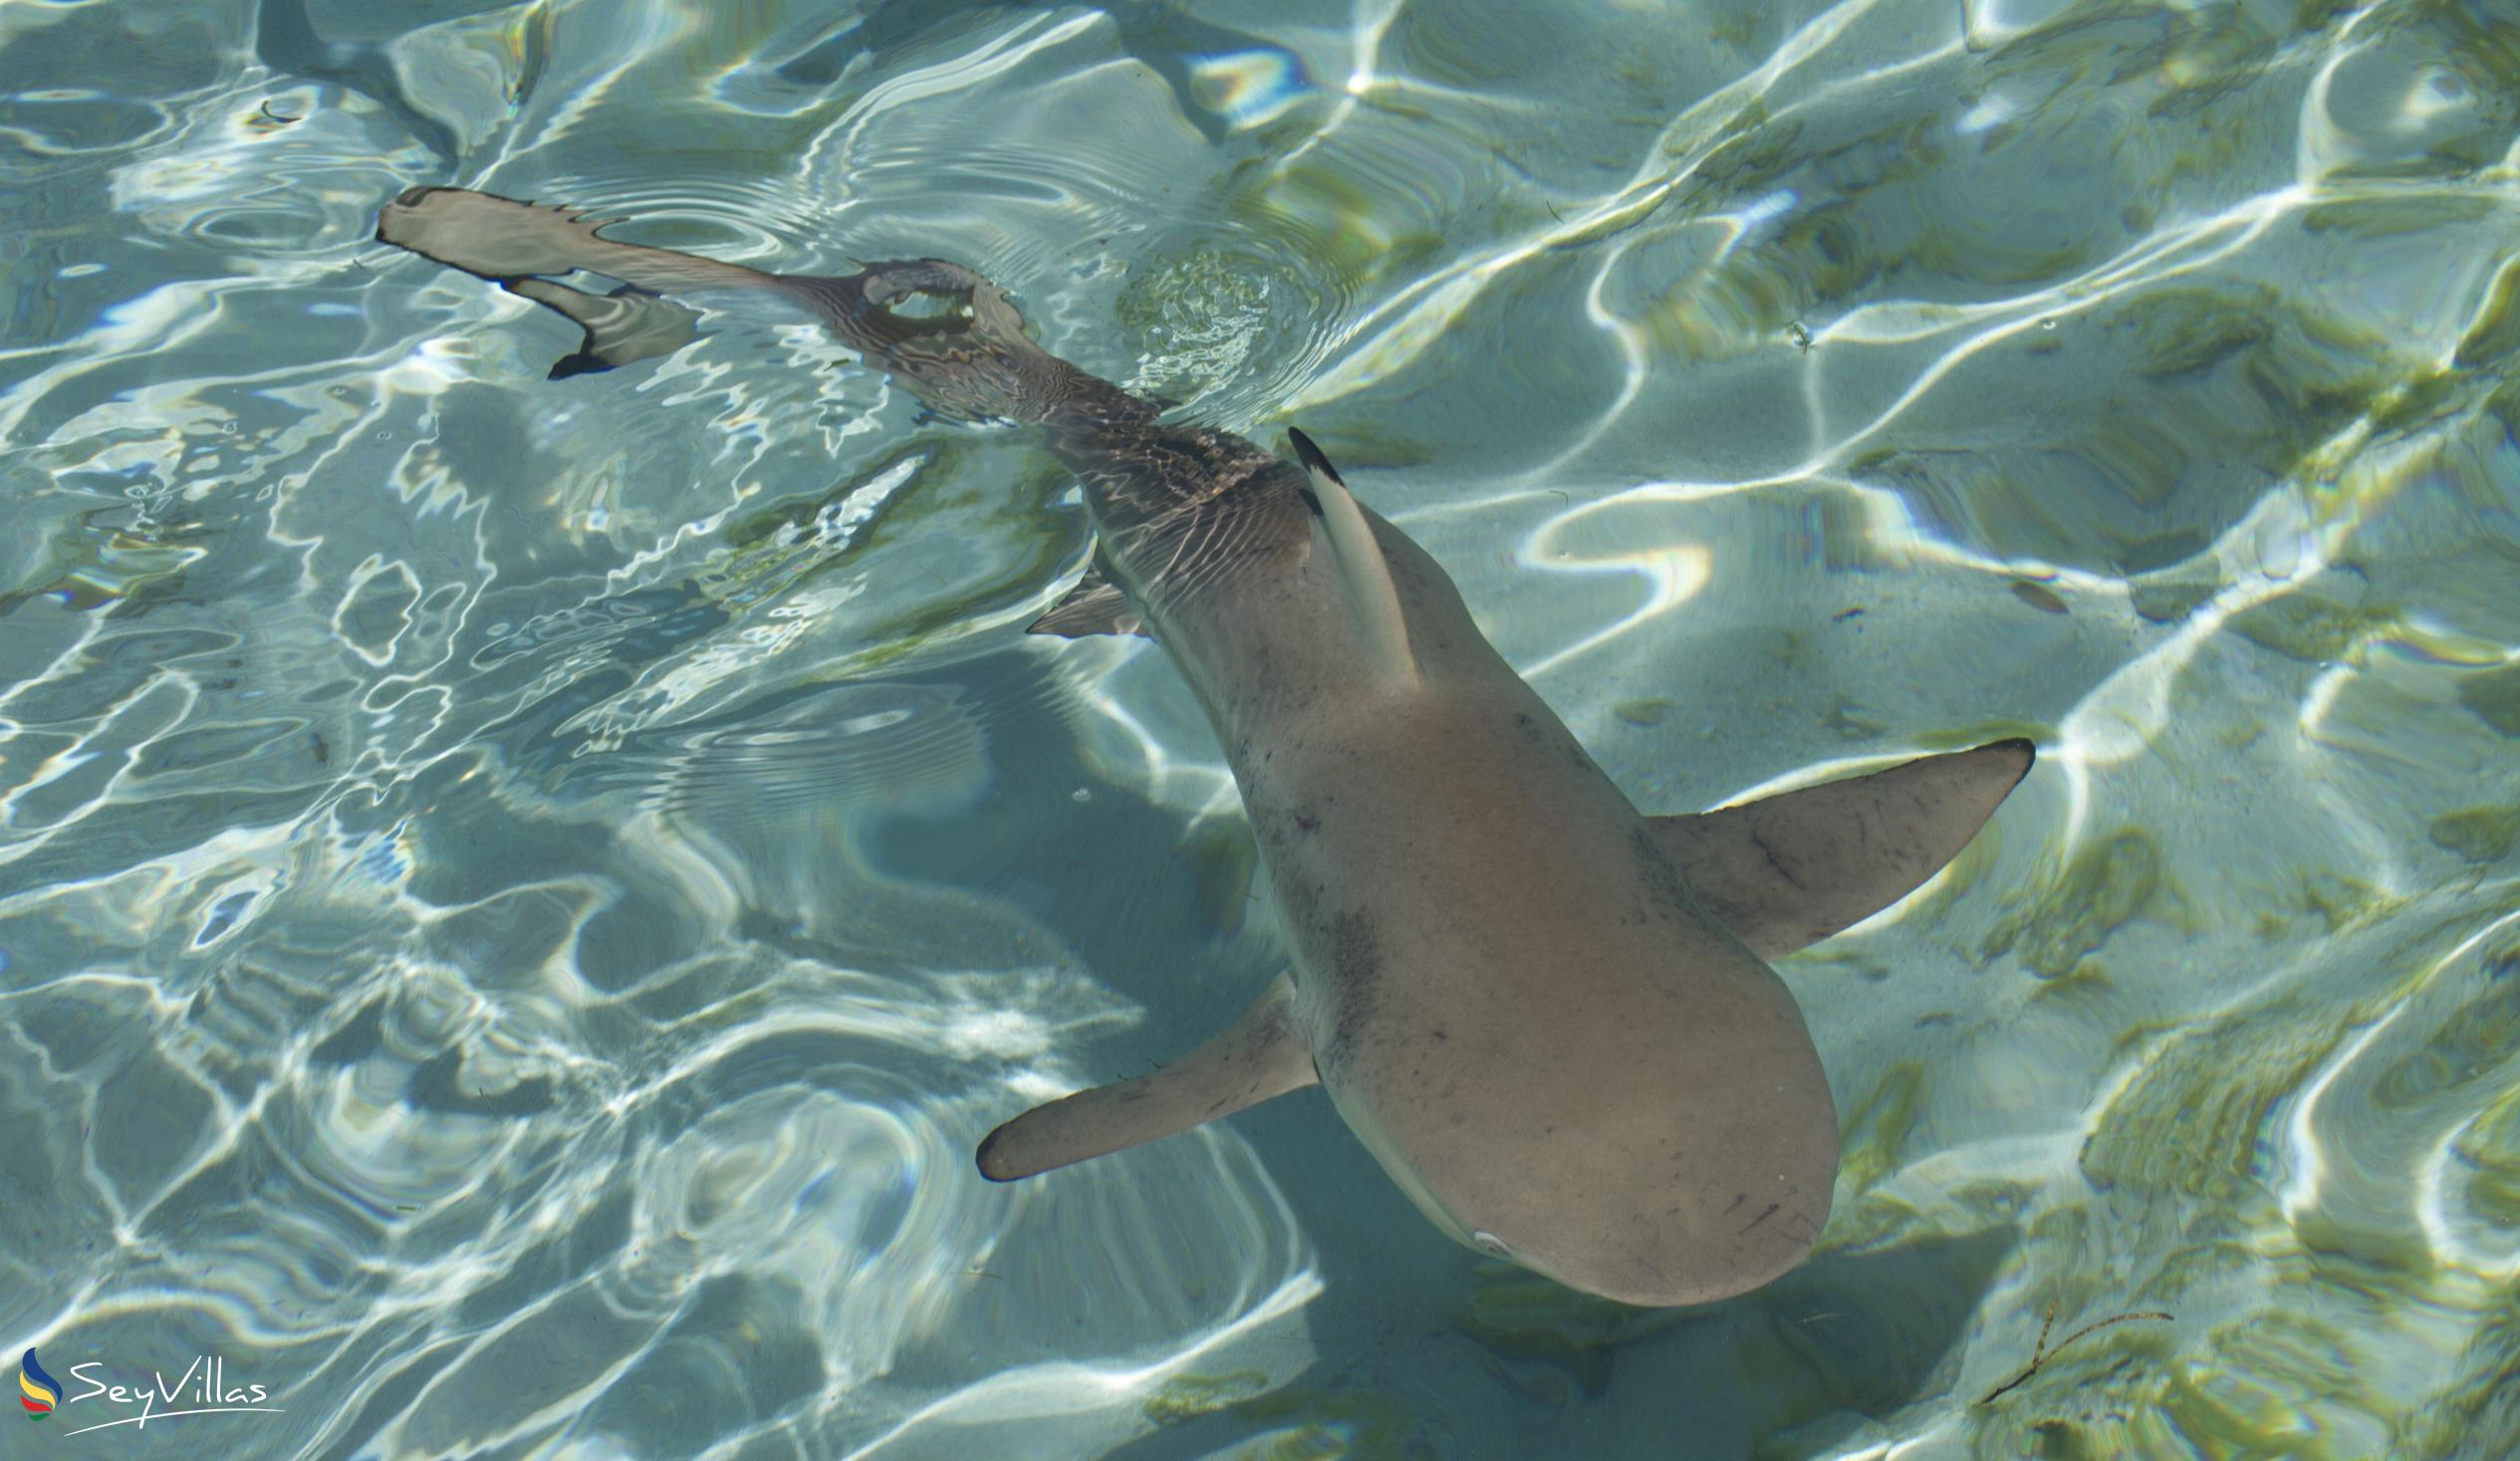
[{"x": 2040, "y": 1353}]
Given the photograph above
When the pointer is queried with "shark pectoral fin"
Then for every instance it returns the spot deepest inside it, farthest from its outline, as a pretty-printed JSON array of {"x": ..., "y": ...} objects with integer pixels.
[
  {"x": 1092, "y": 607},
  {"x": 629, "y": 324},
  {"x": 1263, "y": 1054},
  {"x": 1361, "y": 562},
  {"x": 1791, "y": 869}
]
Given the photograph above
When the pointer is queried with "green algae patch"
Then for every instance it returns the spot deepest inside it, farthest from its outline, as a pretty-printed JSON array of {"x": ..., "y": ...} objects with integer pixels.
[
  {"x": 2494, "y": 1195},
  {"x": 1326, "y": 1424},
  {"x": 1305, "y": 1443},
  {"x": 2308, "y": 627},
  {"x": 97, "y": 564},
  {"x": 2171, "y": 597},
  {"x": 2495, "y": 330},
  {"x": 1188, "y": 1396},
  {"x": 2388, "y": 216},
  {"x": 2494, "y": 698},
  {"x": 2105, "y": 887},
  {"x": 2487, "y": 1152},
  {"x": 2418, "y": 398},
  {"x": 2362, "y": 1258},
  {"x": 780, "y": 524},
  {"x": 1334, "y": 217},
  {"x": 2189, "y": 332},
  {"x": 1198, "y": 317},
  {"x": 1872, "y": 1134},
  {"x": 1867, "y": 1222},
  {"x": 2478, "y": 832},
  {"x": 2190, "y": 1121},
  {"x": 2086, "y": 982},
  {"x": 2471, "y": 1043},
  {"x": 2343, "y": 902},
  {"x": 2161, "y": 551},
  {"x": 2249, "y": 1394},
  {"x": 780, "y": 548},
  {"x": 2314, "y": 375},
  {"x": 2064, "y": 1441},
  {"x": 2477, "y": 1401}
]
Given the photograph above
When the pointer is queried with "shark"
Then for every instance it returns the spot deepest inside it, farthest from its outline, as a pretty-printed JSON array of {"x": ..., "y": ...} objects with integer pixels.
[{"x": 1550, "y": 1017}]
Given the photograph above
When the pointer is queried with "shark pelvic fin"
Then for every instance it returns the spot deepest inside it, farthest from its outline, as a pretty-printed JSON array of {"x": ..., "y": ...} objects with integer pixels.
[
  {"x": 1787, "y": 870},
  {"x": 629, "y": 324},
  {"x": 1094, "y": 607},
  {"x": 1262, "y": 1055},
  {"x": 1361, "y": 565}
]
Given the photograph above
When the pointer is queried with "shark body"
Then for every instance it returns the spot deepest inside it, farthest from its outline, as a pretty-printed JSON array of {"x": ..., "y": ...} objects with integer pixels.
[{"x": 1548, "y": 1016}]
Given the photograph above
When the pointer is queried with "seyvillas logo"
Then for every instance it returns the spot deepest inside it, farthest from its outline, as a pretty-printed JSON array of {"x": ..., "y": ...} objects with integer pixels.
[
  {"x": 37, "y": 1392},
  {"x": 202, "y": 1390}
]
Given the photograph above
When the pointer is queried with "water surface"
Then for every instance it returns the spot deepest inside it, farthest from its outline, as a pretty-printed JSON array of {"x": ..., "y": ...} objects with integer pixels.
[{"x": 517, "y": 899}]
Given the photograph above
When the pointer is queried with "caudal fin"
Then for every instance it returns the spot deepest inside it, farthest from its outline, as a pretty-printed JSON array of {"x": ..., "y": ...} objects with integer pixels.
[
  {"x": 501, "y": 239},
  {"x": 945, "y": 332},
  {"x": 629, "y": 324}
]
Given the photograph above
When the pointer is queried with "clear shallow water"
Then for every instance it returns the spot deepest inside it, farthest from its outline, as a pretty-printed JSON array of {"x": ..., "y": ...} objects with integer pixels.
[{"x": 517, "y": 899}]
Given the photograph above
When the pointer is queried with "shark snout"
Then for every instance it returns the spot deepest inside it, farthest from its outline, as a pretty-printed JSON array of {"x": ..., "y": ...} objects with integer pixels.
[
  {"x": 1675, "y": 1176},
  {"x": 1665, "y": 1243}
]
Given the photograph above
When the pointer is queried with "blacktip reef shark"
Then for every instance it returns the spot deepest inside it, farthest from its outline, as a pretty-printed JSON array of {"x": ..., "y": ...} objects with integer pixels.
[{"x": 1549, "y": 1016}]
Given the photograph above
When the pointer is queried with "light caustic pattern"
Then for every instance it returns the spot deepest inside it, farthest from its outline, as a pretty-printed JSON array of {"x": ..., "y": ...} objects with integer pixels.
[{"x": 518, "y": 898}]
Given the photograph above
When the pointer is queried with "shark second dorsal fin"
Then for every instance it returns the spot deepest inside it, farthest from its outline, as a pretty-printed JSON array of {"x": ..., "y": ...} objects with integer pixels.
[
  {"x": 1787, "y": 870},
  {"x": 1262, "y": 1055},
  {"x": 1361, "y": 567},
  {"x": 1094, "y": 607}
]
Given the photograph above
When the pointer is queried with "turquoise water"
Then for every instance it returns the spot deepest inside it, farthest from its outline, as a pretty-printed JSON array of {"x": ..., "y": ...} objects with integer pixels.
[{"x": 518, "y": 898}]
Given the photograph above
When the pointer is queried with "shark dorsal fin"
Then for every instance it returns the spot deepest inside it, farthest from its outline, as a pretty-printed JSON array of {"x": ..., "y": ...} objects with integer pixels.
[
  {"x": 1361, "y": 567},
  {"x": 1787, "y": 870},
  {"x": 1262, "y": 1055}
]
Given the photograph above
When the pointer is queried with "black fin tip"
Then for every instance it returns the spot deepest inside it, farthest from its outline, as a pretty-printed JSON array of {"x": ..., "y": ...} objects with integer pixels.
[{"x": 1311, "y": 456}]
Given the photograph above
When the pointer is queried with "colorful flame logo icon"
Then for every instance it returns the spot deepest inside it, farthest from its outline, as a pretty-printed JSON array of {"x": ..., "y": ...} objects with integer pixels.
[{"x": 37, "y": 1392}]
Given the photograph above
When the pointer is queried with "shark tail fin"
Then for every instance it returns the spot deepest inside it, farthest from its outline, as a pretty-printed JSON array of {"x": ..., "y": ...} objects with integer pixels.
[
  {"x": 629, "y": 324},
  {"x": 942, "y": 332},
  {"x": 1262, "y": 1055},
  {"x": 1361, "y": 565},
  {"x": 501, "y": 238},
  {"x": 1787, "y": 870}
]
